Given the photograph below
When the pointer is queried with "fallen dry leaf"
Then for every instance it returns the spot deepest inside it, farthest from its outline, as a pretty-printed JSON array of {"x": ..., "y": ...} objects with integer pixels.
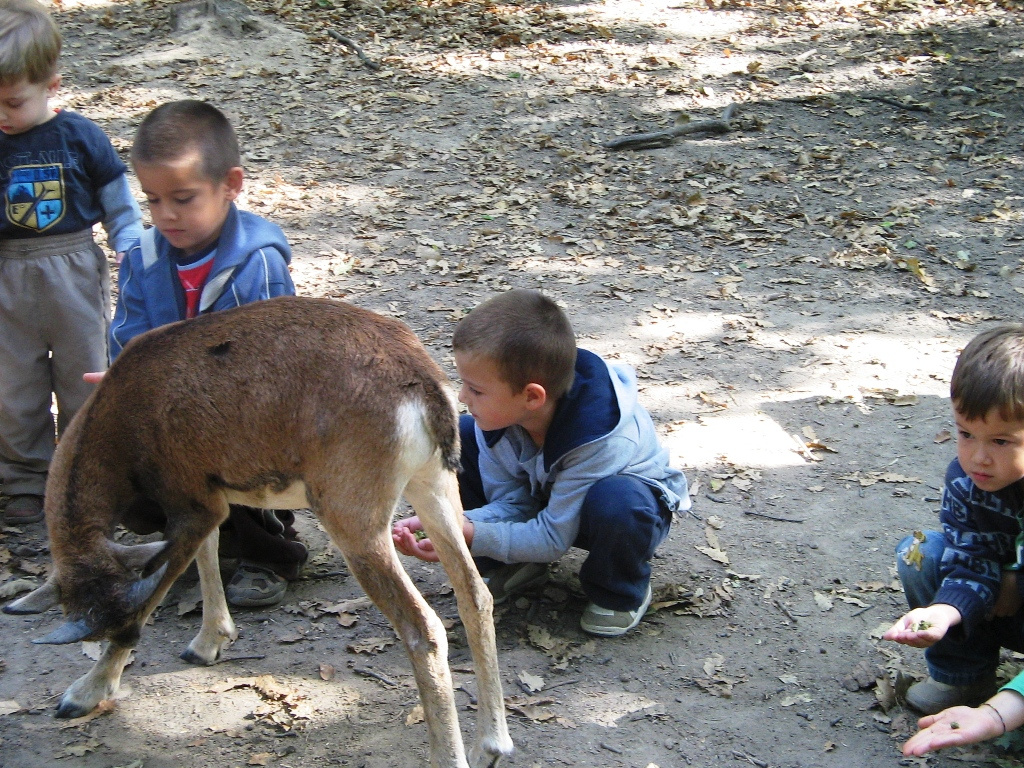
[{"x": 533, "y": 683}]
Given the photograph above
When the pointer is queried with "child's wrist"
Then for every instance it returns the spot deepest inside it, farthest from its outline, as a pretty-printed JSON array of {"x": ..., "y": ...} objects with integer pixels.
[{"x": 996, "y": 712}]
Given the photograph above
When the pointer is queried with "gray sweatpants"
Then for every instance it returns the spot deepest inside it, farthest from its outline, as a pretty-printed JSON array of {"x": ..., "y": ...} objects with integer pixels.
[{"x": 54, "y": 316}]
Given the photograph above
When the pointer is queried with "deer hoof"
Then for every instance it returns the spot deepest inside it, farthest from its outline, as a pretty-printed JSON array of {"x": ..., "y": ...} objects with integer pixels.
[
  {"x": 194, "y": 658},
  {"x": 69, "y": 708}
]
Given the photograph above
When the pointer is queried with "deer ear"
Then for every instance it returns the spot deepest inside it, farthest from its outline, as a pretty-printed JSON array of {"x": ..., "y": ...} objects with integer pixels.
[
  {"x": 36, "y": 601},
  {"x": 136, "y": 556},
  {"x": 68, "y": 632}
]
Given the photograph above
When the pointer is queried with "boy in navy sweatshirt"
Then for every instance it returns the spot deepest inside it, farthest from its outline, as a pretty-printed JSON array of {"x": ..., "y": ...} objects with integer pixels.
[{"x": 60, "y": 176}]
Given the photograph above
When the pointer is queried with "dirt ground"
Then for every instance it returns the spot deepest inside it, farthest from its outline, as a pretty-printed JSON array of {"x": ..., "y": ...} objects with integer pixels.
[{"x": 793, "y": 293}]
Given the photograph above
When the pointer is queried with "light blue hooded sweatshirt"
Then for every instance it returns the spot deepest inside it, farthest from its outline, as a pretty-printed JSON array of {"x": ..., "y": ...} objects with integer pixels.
[{"x": 599, "y": 430}]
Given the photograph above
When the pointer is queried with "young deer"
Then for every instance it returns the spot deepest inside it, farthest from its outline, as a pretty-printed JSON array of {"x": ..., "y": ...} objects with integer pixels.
[{"x": 288, "y": 403}]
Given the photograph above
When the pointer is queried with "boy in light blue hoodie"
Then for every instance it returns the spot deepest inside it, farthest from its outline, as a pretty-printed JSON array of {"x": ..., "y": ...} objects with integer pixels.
[
  {"x": 202, "y": 255},
  {"x": 556, "y": 452}
]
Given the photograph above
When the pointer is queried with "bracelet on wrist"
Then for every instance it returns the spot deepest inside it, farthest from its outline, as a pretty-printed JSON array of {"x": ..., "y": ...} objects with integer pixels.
[{"x": 998, "y": 714}]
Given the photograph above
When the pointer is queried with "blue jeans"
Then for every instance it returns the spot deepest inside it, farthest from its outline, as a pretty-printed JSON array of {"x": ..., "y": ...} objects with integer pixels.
[
  {"x": 621, "y": 524},
  {"x": 955, "y": 660}
]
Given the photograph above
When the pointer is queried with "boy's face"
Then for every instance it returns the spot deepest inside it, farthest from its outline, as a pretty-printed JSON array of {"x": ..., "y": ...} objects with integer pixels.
[
  {"x": 188, "y": 207},
  {"x": 490, "y": 400},
  {"x": 24, "y": 105},
  {"x": 990, "y": 450}
]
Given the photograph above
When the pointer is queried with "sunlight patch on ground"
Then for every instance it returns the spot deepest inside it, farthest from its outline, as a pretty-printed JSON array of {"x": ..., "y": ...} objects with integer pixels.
[
  {"x": 141, "y": 702},
  {"x": 69, "y": 4},
  {"x": 606, "y": 708},
  {"x": 744, "y": 439}
]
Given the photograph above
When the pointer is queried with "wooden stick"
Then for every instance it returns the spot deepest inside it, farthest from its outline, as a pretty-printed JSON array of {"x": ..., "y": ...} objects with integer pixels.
[
  {"x": 348, "y": 43},
  {"x": 664, "y": 138},
  {"x": 772, "y": 517}
]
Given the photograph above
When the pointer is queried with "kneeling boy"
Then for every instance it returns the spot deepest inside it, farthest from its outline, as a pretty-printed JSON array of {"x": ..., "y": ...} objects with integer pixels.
[{"x": 963, "y": 583}]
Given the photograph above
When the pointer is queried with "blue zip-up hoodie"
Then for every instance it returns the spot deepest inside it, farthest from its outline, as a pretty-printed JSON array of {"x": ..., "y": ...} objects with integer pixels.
[
  {"x": 250, "y": 264},
  {"x": 599, "y": 429}
]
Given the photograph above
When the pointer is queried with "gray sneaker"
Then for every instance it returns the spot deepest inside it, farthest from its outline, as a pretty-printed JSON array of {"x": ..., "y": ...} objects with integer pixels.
[
  {"x": 507, "y": 580},
  {"x": 931, "y": 697},
  {"x": 608, "y": 623}
]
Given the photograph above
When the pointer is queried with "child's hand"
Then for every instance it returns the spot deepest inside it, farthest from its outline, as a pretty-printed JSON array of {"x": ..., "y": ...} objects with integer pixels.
[
  {"x": 93, "y": 378},
  {"x": 953, "y": 727},
  {"x": 410, "y": 539},
  {"x": 1008, "y": 602},
  {"x": 924, "y": 627}
]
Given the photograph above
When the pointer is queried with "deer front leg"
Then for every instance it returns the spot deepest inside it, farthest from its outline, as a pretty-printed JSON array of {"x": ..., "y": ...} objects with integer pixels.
[
  {"x": 218, "y": 630},
  {"x": 99, "y": 683}
]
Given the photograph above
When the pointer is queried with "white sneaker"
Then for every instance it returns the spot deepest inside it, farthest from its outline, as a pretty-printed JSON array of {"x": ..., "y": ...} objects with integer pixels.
[{"x": 608, "y": 623}]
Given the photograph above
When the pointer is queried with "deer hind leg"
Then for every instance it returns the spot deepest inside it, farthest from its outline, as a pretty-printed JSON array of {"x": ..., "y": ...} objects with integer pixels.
[
  {"x": 218, "y": 630},
  {"x": 372, "y": 559},
  {"x": 435, "y": 497}
]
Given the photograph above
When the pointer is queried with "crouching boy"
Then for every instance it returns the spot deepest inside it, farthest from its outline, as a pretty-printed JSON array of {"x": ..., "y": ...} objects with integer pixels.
[
  {"x": 556, "y": 453},
  {"x": 963, "y": 583}
]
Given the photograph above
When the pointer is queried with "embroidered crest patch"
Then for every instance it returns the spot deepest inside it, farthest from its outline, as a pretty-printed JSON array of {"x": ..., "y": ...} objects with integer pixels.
[{"x": 35, "y": 196}]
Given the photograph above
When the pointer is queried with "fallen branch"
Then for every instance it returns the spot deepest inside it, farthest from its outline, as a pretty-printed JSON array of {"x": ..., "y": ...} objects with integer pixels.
[
  {"x": 765, "y": 515},
  {"x": 894, "y": 102},
  {"x": 664, "y": 138},
  {"x": 348, "y": 43},
  {"x": 366, "y": 672}
]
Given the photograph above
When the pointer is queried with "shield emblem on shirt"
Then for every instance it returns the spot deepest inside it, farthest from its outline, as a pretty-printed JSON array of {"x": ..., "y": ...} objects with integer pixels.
[{"x": 35, "y": 196}]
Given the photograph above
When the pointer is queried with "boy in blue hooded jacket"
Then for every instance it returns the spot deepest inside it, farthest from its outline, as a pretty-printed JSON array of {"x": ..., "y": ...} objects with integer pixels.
[
  {"x": 202, "y": 255},
  {"x": 557, "y": 452}
]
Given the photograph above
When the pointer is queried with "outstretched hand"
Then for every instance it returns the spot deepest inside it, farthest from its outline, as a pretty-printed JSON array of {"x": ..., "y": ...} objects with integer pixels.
[
  {"x": 954, "y": 727},
  {"x": 923, "y": 627},
  {"x": 410, "y": 539},
  {"x": 93, "y": 378}
]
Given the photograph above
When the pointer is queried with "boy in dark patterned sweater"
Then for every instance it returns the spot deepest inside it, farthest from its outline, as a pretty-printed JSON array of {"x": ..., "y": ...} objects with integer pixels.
[
  {"x": 60, "y": 176},
  {"x": 962, "y": 582}
]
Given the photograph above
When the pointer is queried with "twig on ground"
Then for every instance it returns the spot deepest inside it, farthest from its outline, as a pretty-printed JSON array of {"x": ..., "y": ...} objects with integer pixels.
[
  {"x": 349, "y": 43},
  {"x": 664, "y": 138},
  {"x": 749, "y": 758},
  {"x": 894, "y": 102},
  {"x": 327, "y": 575},
  {"x": 755, "y": 513},
  {"x": 803, "y": 450},
  {"x": 560, "y": 684},
  {"x": 254, "y": 657},
  {"x": 366, "y": 672},
  {"x": 785, "y": 610}
]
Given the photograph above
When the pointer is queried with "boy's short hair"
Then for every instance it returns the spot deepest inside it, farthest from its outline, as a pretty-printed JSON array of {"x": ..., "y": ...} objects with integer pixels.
[
  {"x": 29, "y": 42},
  {"x": 990, "y": 374},
  {"x": 526, "y": 335},
  {"x": 177, "y": 127}
]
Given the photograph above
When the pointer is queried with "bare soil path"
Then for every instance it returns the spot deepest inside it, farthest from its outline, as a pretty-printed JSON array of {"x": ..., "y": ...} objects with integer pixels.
[{"x": 793, "y": 293}]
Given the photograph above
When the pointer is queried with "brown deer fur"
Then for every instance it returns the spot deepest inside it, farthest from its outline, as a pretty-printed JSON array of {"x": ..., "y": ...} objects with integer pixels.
[{"x": 287, "y": 403}]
